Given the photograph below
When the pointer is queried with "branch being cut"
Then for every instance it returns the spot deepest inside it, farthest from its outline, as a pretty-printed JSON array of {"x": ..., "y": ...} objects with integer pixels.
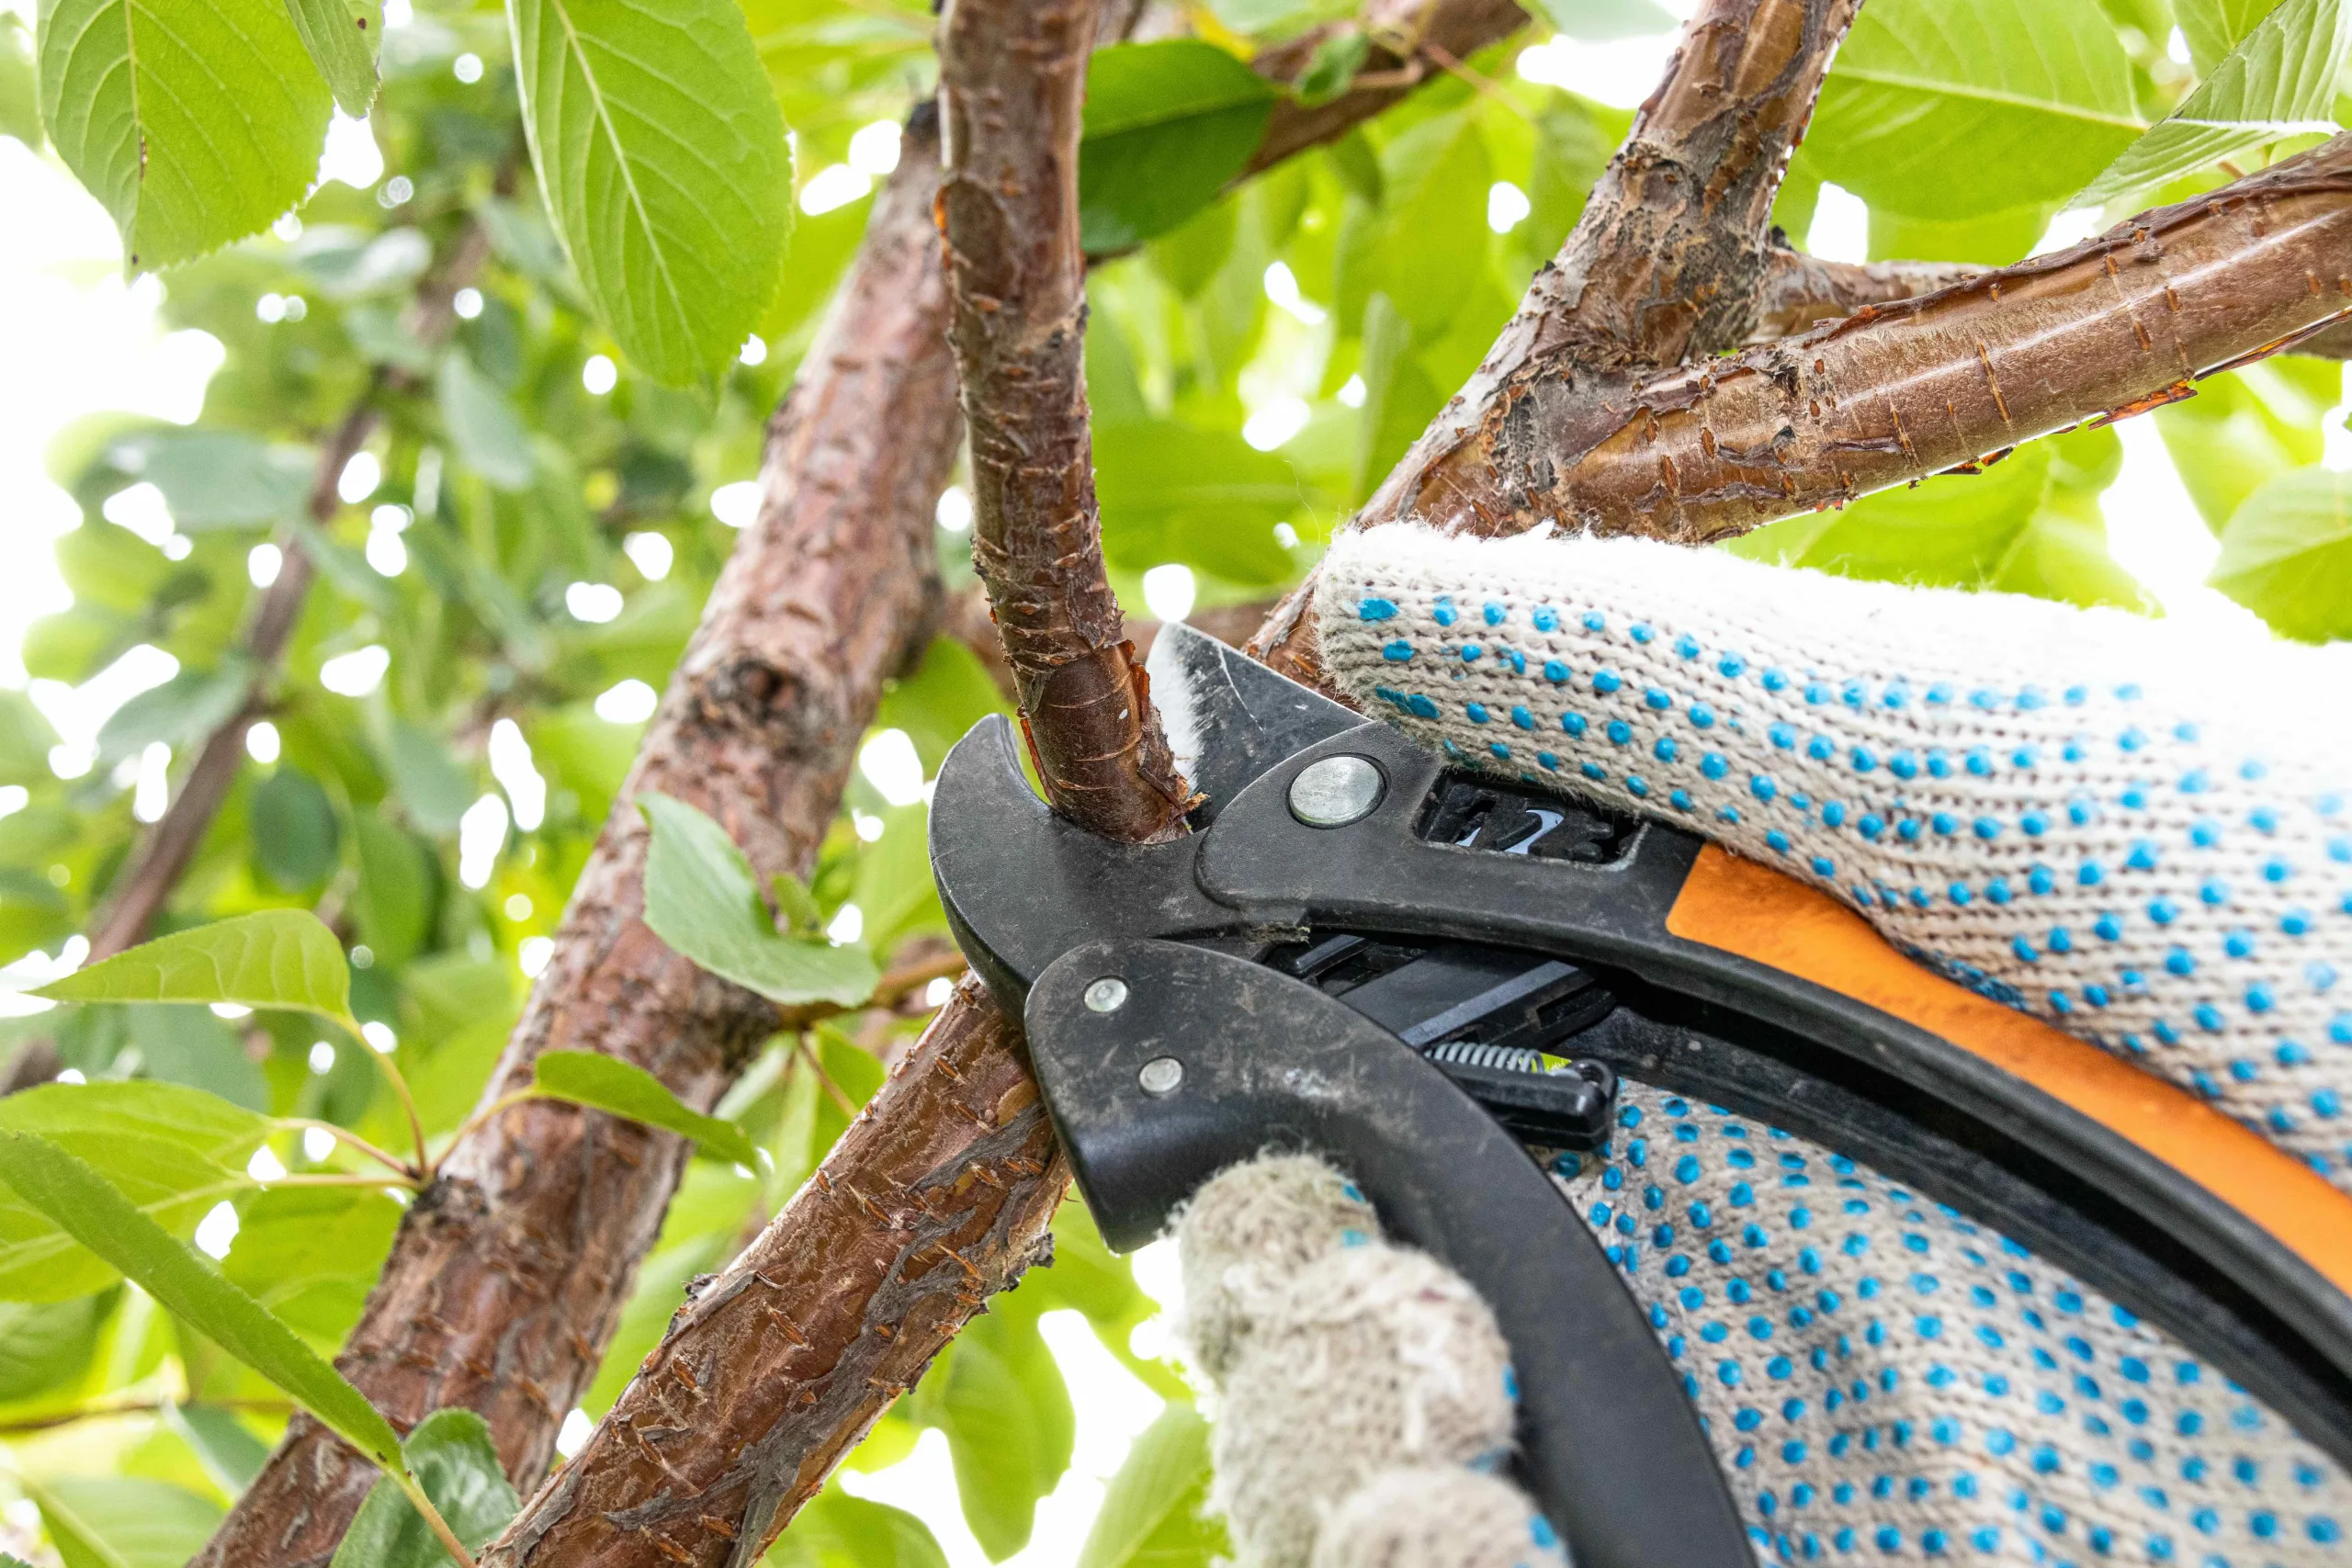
[
  {"x": 1013, "y": 78},
  {"x": 507, "y": 1275}
]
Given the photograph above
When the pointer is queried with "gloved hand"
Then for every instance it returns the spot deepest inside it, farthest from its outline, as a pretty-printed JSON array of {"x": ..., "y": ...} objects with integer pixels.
[
  {"x": 1363, "y": 1393},
  {"x": 2144, "y": 840}
]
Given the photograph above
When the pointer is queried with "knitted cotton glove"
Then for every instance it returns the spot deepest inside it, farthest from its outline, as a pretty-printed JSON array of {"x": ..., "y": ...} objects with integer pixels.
[
  {"x": 2141, "y": 839},
  {"x": 1360, "y": 1388}
]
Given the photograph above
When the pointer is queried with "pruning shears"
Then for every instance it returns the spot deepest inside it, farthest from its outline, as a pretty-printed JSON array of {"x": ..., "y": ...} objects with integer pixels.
[{"x": 1434, "y": 976}]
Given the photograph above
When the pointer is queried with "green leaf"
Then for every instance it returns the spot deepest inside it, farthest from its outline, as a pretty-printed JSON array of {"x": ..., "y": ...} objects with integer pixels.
[
  {"x": 451, "y": 1455},
  {"x": 999, "y": 1399},
  {"x": 1205, "y": 498},
  {"x": 1152, "y": 1512},
  {"x": 188, "y": 707},
  {"x": 2278, "y": 82},
  {"x": 1167, "y": 125},
  {"x": 1948, "y": 109},
  {"x": 80, "y": 1201},
  {"x": 195, "y": 123},
  {"x": 277, "y": 958},
  {"x": 1429, "y": 241},
  {"x": 428, "y": 781},
  {"x": 837, "y": 1530},
  {"x": 2246, "y": 427},
  {"x": 1331, "y": 69},
  {"x": 219, "y": 478},
  {"x": 2213, "y": 28},
  {"x": 894, "y": 889},
  {"x": 26, "y": 739},
  {"x": 700, "y": 898},
  {"x": 1994, "y": 238},
  {"x": 483, "y": 426},
  {"x": 226, "y": 1448},
  {"x": 607, "y": 1083},
  {"x": 311, "y": 1254},
  {"x": 1596, "y": 21},
  {"x": 123, "y": 1523},
  {"x": 938, "y": 704},
  {"x": 45, "y": 1344},
  {"x": 186, "y": 1044},
  {"x": 296, "y": 839},
  {"x": 174, "y": 1151},
  {"x": 2287, "y": 555},
  {"x": 395, "y": 906},
  {"x": 661, "y": 154},
  {"x": 342, "y": 40},
  {"x": 20, "y": 91}
]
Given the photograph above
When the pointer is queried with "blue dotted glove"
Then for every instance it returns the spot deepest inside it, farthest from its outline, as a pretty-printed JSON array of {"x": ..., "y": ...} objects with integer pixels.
[{"x": 2143, "y": 841}]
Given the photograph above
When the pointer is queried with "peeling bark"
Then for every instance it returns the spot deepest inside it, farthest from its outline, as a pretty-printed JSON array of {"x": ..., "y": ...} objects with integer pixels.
[
  {"x": 938, "y": 1195},
  {"x": 507, "y": 1276},
  {"x": 1013, "y": 78}
]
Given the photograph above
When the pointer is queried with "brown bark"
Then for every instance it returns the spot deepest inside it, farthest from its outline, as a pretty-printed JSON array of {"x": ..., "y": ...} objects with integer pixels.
[
  {"x": 937, "y": 1196},
  {"x": 507, "y": 1276},
  {"x": 1013, "y": 78},
  {"x": 2110, "y": 328},
  {"x": 1801, "y": 291},
  {"x": 968, "y": 621}
]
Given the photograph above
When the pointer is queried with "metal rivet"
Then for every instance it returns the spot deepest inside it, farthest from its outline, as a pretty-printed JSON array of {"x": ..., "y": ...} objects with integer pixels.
[
  {"x": 1107, "y": 995},
  {"x": 1161, "y": 1074},
  {"x": 1336, "y": 791}
]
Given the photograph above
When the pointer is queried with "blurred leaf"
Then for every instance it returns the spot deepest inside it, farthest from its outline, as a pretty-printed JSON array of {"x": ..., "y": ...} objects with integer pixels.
[
  {"x": 1399, "y": 398},
  {"x": 47, "y": 1343},
  {"x": 661, "y": 154},
  {"x": 19, "y": 92},
  {"x": 123, "y": 1523},
  {"x": 837, "y": 1530},
  {"x": 1153, "y": 1511},
  {"x": 2213, "y": 28},
  {"x": 2278, "y": 82},
  {"x": 607, "y": 1083},
  {"x": 1167, "y": 125},
  {"x": 947, "y": 693},
  {"x": 450, "y": 1454},
  {"x": 186, "y": 1044},
  {"x": 342, "y": 40},
  {"x": 483, "y": 426},
  {"x": 1994, "y": 238},
  {"x": 2287, "y": 555},
  {"x": 700, "y": 899},
  {"x": 1947, "y": 109},
  {"x": 219, "y": 478},
  {"x": 1205, "y": 498},
  {"x": 26, "y": 738},
  {"x": 192, "y": 124},
  {"x": 999, "y": 1399},
  {"x": 394, "y": 901},
  {"x": 79, "y": 1201},
  {"x": 2246, "y": 426},
  {"x": 1596, "y": 21},
  {"x": 296, "y": 838},
  {"x": 188, "y": 707},
  {"x": 229, "y": 1451},
  {"x": 1430, "y": 238},
  {"x": 427, "y": 779},
  {"x": 1189, "y": 258},
  {"x": 1332, "y": 68},
  {"x": 894, "y": 889},
  {"x": 277, "y": 958},
  {"x": 311, "y": 1254}
]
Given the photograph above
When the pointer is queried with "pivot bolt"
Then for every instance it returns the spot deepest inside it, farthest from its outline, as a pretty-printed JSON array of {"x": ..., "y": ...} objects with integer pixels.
[
  {"x": 1161, "y": 1075},
  {"x": 1107, "y": 995},
  {"x": 1336, "y": 791}
]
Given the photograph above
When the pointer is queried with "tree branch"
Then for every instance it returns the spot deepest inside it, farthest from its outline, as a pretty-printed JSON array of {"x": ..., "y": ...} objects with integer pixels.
[
  {"x": 1013, "y": 78},
  {"x": 2110, "y": 328},
  {"x": 508, "y": 1274},
  {"x": 1802, "y": 291}
]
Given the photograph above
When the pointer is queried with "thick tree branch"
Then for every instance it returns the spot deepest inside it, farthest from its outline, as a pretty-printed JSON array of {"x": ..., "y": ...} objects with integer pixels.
[
  {"x": 508, "y": 1275},
  {"x": 2110, "y": 328},
  {"x": 937, "y": 1196},
  {"x": 1802, "y": 291},
  {"x": 1013, "y": 78}
]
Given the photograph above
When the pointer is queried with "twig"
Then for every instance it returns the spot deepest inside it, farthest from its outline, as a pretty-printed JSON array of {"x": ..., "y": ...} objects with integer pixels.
[
  {"x": 346, "y": 1135},
  {"x": 848, "y": 1107},
  {"x": 889, "y": 992},
  {"x": 20, "y": 1425}
]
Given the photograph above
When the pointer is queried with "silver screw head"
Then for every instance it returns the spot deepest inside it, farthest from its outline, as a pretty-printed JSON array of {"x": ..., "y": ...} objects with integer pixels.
[
  {"x": 1161, "y": 1075},
  {"x": 1107, "y": 995},
  {"x": 1336, "y": 791}
]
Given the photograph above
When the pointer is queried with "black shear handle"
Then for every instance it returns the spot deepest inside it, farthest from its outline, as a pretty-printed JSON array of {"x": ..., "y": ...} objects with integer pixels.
[{"x": 1164, "y": 1064}]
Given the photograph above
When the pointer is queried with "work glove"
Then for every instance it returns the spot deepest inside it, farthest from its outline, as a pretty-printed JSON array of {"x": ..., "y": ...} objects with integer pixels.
[{"x": 2142, "y": 838}]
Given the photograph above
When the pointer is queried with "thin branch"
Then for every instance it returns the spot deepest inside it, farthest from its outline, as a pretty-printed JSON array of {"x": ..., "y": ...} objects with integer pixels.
[
  {"x": 1801, "y": 291},
  {"x": 890, "y": 992},
  {"x": 21, "y": 1425},
  {"x": 1013, "y": 77},
  {"x": 346, "y": 1135},
  {"x": 807, "y": 1053}
]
